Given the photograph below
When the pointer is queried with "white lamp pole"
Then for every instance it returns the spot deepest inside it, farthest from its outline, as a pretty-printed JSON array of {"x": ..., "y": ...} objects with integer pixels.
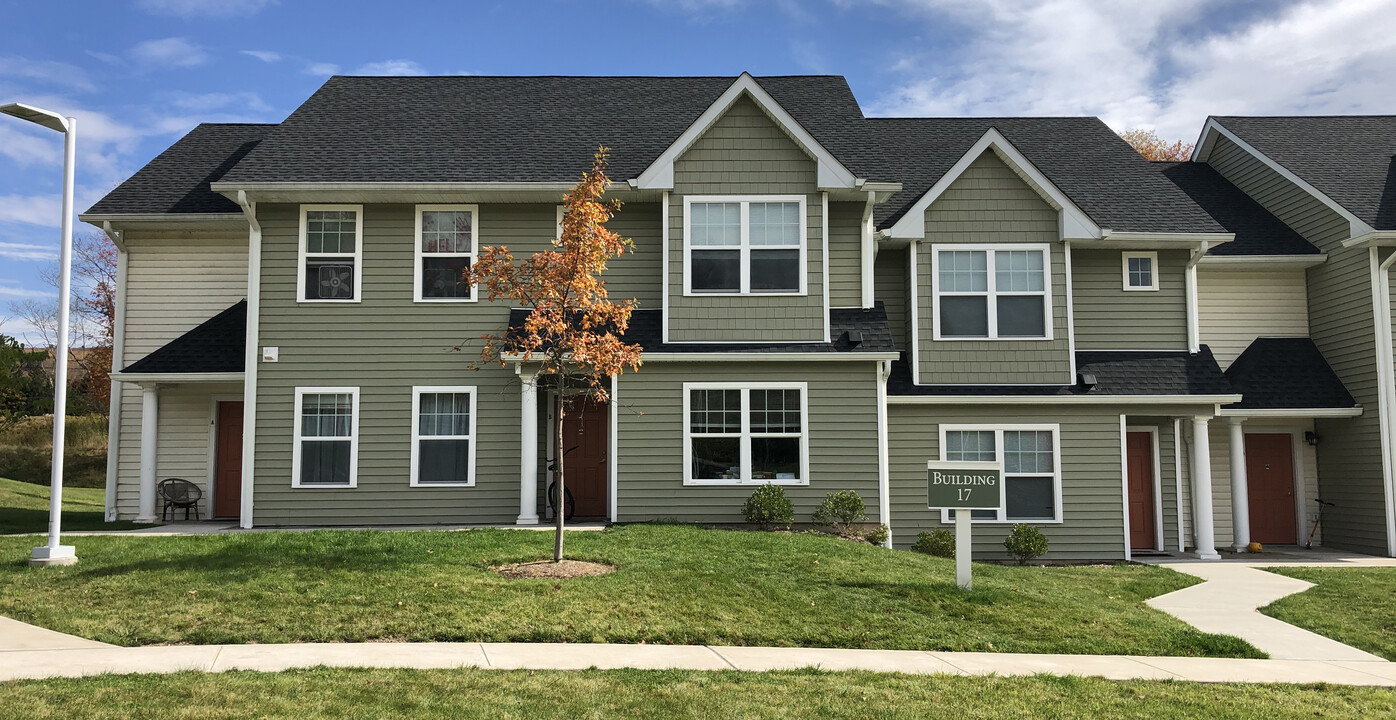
[{"x": 54, "y": 553}]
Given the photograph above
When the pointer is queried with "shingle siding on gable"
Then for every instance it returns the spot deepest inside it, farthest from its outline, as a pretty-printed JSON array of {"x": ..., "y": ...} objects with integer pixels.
[
  {"x": 989, "y": 203},
  {"x": 1341, "y": 325},
  {"x": 638, "y": 274},
  {"x": 1108, "y": 317},
  {"x": 846, "y": 254},
  {"x": 746, "y": 153}
]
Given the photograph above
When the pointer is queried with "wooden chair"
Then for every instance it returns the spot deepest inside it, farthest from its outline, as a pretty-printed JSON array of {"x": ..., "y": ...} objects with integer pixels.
[{"x": 178, "y": 493}]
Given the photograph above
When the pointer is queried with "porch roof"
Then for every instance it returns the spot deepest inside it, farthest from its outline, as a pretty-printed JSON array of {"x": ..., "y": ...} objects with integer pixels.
[
  {"x": 218, "y": 345},
  {"x": 1286, "y": 373}
]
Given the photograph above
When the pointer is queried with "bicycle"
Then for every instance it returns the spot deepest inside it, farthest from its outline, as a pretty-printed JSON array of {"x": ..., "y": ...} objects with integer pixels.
[{"x": 569, "y": 505}]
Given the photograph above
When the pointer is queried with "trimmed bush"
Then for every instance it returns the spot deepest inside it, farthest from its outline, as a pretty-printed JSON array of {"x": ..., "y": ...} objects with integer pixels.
[
  {"x": 939, "y": 542},
  {"x": 1025, "y": 542},
  {"x": 877, "y": 535},
  {"x": 840, "y": 510},
  {"x": 769, "y": 508}
]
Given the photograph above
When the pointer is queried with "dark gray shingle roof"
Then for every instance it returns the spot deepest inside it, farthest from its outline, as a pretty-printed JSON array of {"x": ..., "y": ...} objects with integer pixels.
[
  {"x": 519, "y": 129},
  {"x": 217, "y": 345},
  {"x": 177, "y": 180},
  {"x": 1349, "y": 158},
  {"x": 1257, "y": 231},
  {"x": 1082, "y": 156},
  {"x": 1116, "y": 373},
  {"x": 1275, "y": 373}
]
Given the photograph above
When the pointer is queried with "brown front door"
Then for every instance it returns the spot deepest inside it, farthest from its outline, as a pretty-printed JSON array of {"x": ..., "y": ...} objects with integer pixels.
[
  {"x": 227, "y": 473},
  {"x": 1270, "y": 482},
  {"x": 1140, "y": 454},
  {"x": 585, "y": 441}
]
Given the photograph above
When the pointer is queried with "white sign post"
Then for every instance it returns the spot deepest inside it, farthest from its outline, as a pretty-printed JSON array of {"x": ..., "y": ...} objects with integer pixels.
[{"x": 964, "y": 487}]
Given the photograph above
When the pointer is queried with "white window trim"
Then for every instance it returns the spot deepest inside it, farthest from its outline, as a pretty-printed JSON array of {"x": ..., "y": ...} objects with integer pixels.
[
  {"x": 803, "y": 387},
  {"x": 417, "y": 392},
  {"x": 301, "y": 392},
  {"x": 418, "y": 253},
  {"x": 947, "y": 517},
  {"x": 1152, "y": 257},
  {"x": 302, "y": 255},
  {"x": 745, "y": 246},
  {"x": 992, "y": 294}
]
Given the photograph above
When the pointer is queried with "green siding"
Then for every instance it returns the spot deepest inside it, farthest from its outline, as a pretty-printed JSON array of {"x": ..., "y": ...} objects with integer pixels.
[
  {"x": 746, "y": 153},
  {"x": 1341, "y": 325},
  {"x": 842, "y": 435},
  {"x": 890, "y": 279},
  {"x": 846, "y": 254},
  {"x": 1108, "y": 317},
  {"x": 637, "y": 275},
  {"x": 1092, "y": 526}
]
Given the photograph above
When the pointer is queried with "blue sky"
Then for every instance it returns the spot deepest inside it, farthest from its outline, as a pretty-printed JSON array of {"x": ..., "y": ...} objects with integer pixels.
[{"x": 140, "y": 73}]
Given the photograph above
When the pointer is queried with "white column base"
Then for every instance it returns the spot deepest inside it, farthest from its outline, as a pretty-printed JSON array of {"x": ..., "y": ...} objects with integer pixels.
[
  {"x": 527, "y": 520},
  {"x": 53, "y": 555},
  {"x": 1208, "y": 556},
  {"x": 150, "y": 520}
]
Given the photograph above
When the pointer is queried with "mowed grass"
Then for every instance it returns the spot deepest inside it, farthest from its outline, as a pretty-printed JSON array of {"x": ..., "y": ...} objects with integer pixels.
[
  {"x": 24, "y": 509},
  {"x": 1356, "y": 606},
  {"x": 665, "y": 695},
  {"x": 674, "y": 584}
]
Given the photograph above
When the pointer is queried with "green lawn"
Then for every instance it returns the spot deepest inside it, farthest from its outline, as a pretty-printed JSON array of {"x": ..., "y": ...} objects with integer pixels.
[
  {"x": 665, "y": 695},
  {"x": 24, "y": 509},
  {"x": 1356, "y": 606},
  {"x": 675, "y": 584}
]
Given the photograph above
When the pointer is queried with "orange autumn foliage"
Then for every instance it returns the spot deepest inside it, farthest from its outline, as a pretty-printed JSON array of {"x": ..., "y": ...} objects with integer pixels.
[{"x": 1155, "y": 148}]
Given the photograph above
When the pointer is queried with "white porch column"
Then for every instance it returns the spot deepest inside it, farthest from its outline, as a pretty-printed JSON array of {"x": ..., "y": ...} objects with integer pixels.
[
  {"x": 528, "y": 450},
  {"x": 1240, "y": 494},
  {"x": 1202, "y": 490},
  {"x": 150, "y": 429}
]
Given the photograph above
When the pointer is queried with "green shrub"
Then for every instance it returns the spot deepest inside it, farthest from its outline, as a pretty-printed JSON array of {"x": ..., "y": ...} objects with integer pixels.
[
  {"x": 769, "y": 508},
  {"x": 840, "y": 510},
  {"x": 1025, "y": 542},
  {"x": 938, "y": 542},
  {"x": 877, "y": 535}
]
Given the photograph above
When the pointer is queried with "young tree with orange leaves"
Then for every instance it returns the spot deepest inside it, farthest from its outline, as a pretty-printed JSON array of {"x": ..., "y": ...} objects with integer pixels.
[
  {"x": 574, "y": 330},
  {"x": 1155, "y": 148}
]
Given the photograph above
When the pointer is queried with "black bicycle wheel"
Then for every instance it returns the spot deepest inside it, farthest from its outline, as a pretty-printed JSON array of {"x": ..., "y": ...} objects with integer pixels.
[{"x": 569, "y": 507}]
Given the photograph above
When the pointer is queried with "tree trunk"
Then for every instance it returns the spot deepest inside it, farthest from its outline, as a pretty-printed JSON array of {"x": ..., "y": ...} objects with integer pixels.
[{"x": 560, "y": 504}]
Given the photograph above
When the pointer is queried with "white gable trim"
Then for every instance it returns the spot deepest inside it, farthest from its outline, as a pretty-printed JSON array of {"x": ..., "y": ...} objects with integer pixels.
[
  {"x": 660, "y": 174},
  {"x": 1075, "y": 224},
  {"x": 1205, "y": 143}
]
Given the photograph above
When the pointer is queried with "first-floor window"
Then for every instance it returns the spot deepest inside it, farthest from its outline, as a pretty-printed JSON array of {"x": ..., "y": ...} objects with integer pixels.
[
  {"x": 326, "y": 441},
  {"x": 1031, "y": 470},
  {"x": 443, "y": 434},
  {"x": 740, "y": 434}
]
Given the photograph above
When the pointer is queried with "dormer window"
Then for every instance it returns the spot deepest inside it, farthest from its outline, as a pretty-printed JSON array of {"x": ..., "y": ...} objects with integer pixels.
[
  {"x": 744, "y": 246},
  {"x": 991, "y": 292},
  {"x": 331, "y": 252}
]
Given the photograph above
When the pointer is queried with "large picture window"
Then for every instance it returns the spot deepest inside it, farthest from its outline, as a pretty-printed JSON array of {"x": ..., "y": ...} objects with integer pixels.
[
  {"x": 447, "y": 236},
  {"x": 1031, "y": 468},
  {"x": 737, "y": 434},
  {"x": 331, "y": 252},
  {"x": 992, "y": 292},
  {"x": 745, "y": 246},
  {"x": 325, "y": 453},
  {"x": 443, "y": 436}
]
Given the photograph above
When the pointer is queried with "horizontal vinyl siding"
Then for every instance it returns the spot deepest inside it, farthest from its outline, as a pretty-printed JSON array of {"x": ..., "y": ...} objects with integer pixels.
[
  {"x": 636, "y": 275},
  {"x": 1237, "y": 306},
  {"x": 746, "y": 153},
  {"x": 1110, "y": 318},
  {"x": 842, "y": 435},
  {"x": 1341, "y": 325},
  {"x": 990, "y": 203},
  {"x": 890, "y": 275},
  {"x": 1092, "y": 500},
  {"x": 846, "y": 254}
]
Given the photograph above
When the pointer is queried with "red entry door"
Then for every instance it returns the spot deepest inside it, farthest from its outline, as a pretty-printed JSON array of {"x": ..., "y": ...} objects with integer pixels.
[
  {"x": 1143, "y": 532},
  {"x": 227, "y": 472},
  {"x": 1270, "y": 482},
  {"x": 585, "y": 441}
]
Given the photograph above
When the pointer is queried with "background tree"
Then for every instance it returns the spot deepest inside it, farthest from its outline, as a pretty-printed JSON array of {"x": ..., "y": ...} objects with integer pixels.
[
  {"x": 1153, "y": 147},
  {"x": 574, "y": 330},
  {"x": 25, "y": 389}
]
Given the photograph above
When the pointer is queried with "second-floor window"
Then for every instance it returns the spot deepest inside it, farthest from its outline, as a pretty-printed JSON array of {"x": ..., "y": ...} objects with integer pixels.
[
  {"x": 331, "y": 252},
  {"x": 991, "y": 292},
  {"x": 745, "y": 246},
  {"x": 446, "y": 237},
  {"x": 1140, "y": 270}
]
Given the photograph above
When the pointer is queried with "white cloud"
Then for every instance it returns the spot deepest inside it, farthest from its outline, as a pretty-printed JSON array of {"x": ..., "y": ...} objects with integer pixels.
[
  {"x": 1148, "y": 64},
  {"x": 266, "y": 56},
  {"x": 45, "y": 71},
  {"x": 31, "y": 209},
  {"x": 391, "y": 67},
  {"x": 203, "y": 8},
  {"x": 209, "y": 102},
  {"x": 322, "y": 69},
  {"x": 169, "y": 52},
  {"x": 14, "y": 291},
  {"x": 27, "y": 251}
]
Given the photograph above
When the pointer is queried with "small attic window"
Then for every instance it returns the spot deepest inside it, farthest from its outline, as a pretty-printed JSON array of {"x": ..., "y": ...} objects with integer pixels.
[{"x": 1140, "y": 271}]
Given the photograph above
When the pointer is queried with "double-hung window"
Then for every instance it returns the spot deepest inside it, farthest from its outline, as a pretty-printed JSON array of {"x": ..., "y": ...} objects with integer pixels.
[
  {"x": 325, "y": 454},
  {"x": 1140, "y": 270},
  {"x": 331, "y": 253},
  {"x": 992, "y": 292},
  {"x": 745, "y": 246},
  {"x": 1031, "y": 462},
  {"x": 746, "y": 433},
  {"x": 443, "y": 436},
  {"x": 446, "y": 244}
]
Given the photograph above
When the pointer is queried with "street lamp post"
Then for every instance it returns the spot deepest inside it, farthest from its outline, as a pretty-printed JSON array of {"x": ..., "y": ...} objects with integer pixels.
[{"x": 54, "y": 553}]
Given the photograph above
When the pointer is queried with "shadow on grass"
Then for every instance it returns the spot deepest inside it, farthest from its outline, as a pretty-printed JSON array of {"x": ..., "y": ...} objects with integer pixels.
[{"x": 18, "y": 521}]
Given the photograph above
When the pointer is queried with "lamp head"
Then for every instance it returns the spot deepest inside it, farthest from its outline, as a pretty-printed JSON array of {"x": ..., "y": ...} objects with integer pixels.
[{"x": 38, "y": 116}]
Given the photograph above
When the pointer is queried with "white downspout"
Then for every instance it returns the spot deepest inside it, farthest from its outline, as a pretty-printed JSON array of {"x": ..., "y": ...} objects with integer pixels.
[
  {"x": 1194, "y": 333},
  {"x": 884, "y": 485},
  {"x": 869, "y": 252},
  {"x": 1386, "y": 378},
  {"x": 118, "y": 360},
  {"x": 249, "y": 368}
]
